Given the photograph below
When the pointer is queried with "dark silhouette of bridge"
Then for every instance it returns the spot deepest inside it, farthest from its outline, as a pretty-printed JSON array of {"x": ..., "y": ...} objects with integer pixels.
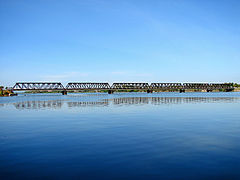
[{"x": 72, "y": 86}]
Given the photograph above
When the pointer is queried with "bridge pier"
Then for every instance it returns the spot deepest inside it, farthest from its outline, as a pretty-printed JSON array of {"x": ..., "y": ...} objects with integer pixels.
[
  {"x": 64, "y": 92},
  {"x": 182, "y": 90},
  {"x": 149, "y": 91},
  {"x": 229, "y": 90},
  {"x": 110, "y": 91}
]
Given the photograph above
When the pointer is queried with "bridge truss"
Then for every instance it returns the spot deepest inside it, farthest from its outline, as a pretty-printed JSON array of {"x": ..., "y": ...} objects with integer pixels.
[
  {"x": 87, "y": 86},
  {"x": 27, "y": 86},
  {"x": 23, "y": 86},
  {"x": 130, "y": 86},
  {"x": 166, "y": 86}
]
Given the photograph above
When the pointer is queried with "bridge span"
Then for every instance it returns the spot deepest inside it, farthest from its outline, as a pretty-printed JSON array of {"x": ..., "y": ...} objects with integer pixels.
[{"x": 72, "y": 86}]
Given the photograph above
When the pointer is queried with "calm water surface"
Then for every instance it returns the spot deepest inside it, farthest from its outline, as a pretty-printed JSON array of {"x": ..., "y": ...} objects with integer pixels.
[{"x": 120, "y": 136}]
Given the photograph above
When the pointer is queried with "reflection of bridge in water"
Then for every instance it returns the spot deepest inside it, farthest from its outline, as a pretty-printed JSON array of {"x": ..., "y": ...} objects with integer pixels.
[
  {"x": 53, "y": 104},
  {"x": 170, "y": 100},
  {"x": 57, "y": 104},
  {"x": 91, "y": 103},
  {"x": 57, "y": 86}
]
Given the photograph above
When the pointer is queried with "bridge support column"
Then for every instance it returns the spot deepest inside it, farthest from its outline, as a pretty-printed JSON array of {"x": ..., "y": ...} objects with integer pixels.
[
  {"x": 229, "y": 90},
  {"x": 110, "y": 91},
  {"x": 149, "y": 91},
  {"x": 182, "y": 90},
  {"x": 64, "y": 92}
]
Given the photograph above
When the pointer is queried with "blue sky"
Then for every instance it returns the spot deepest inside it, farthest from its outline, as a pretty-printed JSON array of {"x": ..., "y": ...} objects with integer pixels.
[{"x": 119, "y": 41}]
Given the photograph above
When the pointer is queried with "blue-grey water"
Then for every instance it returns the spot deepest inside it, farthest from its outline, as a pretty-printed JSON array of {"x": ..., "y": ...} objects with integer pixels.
[{"x": 171, "y": 136}]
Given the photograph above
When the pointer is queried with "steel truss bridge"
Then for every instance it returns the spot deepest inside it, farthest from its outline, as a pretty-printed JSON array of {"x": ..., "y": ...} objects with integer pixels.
[{"x": 72, "y": 86}]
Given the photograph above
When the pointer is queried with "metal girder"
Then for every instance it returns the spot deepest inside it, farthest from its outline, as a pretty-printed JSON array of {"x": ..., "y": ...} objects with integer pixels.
[
  {"x": 82, "y": 86},
  {"x": 130, "y": 86},
  {"x": 221, "y": 86},
  {"x": 166, "y": 85},
  {"x": 23, "y": 86},
  {"x": 196, "y": 85},
  {"x": 206, "y": 86}
]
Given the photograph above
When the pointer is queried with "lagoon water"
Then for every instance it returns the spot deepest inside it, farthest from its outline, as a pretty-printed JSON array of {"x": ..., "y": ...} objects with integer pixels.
[{"x": 120, "y": 136}]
